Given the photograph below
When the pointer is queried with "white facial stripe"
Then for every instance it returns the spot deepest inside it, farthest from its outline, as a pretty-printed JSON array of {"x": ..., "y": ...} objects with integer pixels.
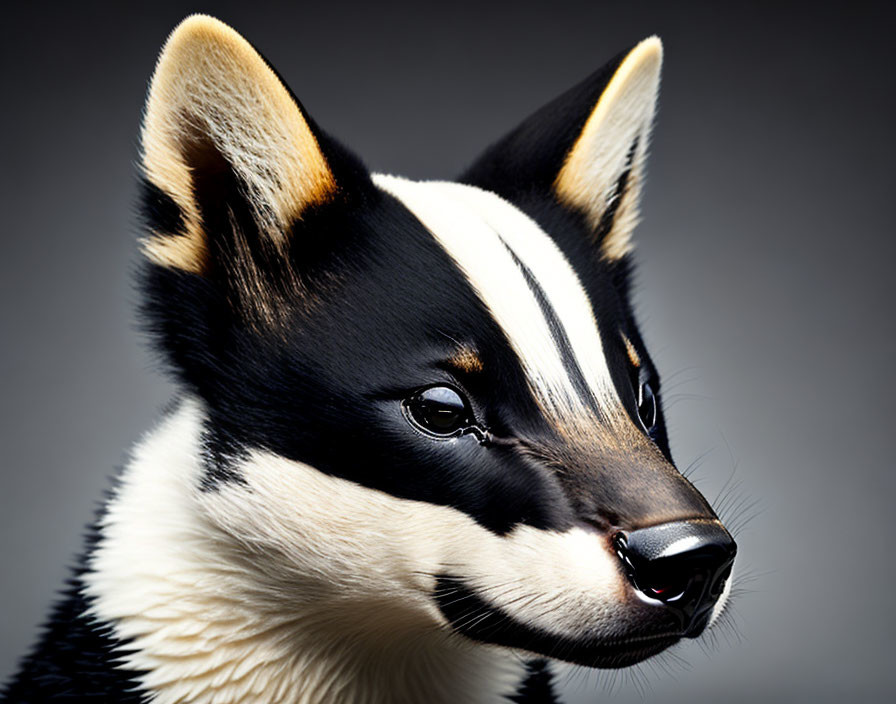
[
  {"x": 556, "y": 277},
  {"x": 483, "y": 257},
  {"x": 479, "y": 231}
]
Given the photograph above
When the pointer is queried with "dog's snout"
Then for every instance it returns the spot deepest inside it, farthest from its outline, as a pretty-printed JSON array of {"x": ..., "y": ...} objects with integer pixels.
[{"x": 683, "y": 564}]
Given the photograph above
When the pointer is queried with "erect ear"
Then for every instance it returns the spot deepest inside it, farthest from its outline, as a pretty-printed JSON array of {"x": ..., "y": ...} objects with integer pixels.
[
  {"x": 587, "y": 149},
  {"x": 225, "y": 147}
]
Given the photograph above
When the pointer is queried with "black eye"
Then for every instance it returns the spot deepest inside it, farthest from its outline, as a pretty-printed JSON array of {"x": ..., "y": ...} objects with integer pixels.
[
  {"x": 439, "y": 410},
  {"x": 647, "y": 406}
]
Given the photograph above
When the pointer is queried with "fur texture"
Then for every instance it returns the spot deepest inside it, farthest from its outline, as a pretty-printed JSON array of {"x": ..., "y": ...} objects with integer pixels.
[{"x": 293, "y": 531}]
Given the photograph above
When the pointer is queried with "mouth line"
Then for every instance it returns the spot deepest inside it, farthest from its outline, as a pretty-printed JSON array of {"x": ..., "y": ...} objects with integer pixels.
[
  {"x": 471, "y": 616},
  {"x": 629, "y": 651},
  {"x": 641, "y": 640}
]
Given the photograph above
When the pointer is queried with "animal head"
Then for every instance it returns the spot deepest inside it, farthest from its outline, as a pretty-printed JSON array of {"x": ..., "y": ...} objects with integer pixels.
[{"x": 424, "y": 404}]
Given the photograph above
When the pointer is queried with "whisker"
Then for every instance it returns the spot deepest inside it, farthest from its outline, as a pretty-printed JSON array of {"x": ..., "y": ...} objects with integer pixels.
[{"x": 697, "y": 462}]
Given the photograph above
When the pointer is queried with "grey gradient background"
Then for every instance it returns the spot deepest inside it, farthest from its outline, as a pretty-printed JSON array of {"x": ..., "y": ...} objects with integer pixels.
[{"x": 766, "y": 284}]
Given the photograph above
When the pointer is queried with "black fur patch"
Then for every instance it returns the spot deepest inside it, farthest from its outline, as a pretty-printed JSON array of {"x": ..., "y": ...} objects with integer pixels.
[
  {"x": 158, "y": 210},
  {"x": 221, "y": 455},
  {"x": 538, "y": 687},
  {"x": 75, "y": 661},
  {"x": 75, "y": 658}
]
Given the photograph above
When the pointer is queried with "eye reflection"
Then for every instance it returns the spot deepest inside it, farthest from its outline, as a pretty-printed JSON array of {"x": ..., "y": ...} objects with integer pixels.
[{"x": 439, "y": 410}]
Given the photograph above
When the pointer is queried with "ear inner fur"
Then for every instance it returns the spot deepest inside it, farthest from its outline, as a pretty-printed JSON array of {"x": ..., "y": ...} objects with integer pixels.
[
  {"x": 609, "y": 154},
  {"x": 209, "y": 81}
]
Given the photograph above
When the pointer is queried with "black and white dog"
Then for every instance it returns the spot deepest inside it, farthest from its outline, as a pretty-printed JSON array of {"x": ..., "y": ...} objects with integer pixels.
[{"x": 420, "y": 448}]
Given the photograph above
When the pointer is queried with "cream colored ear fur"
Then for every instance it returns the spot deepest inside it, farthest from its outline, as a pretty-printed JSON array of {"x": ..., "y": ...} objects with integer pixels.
[
  {"x": 211, "y": 85},
  {"x": 591, "y": 173}
]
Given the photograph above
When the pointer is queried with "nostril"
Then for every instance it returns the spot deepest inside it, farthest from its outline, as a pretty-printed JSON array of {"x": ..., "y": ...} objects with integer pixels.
[
  {"x": 666, "y": 588},
  {"x": 683, "y": 565},
  {"x": 656, "y": 581}
]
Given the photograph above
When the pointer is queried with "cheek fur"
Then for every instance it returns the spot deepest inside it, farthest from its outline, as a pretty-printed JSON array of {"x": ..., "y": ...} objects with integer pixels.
[
  {"x": 558, "y": 582},
  {"x": 290, "y": 553},
  {"x": 309, "y": 532}
]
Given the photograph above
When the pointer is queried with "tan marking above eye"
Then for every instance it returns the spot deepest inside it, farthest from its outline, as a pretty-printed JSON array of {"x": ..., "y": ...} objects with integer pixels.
[{"x": 466, "y": 359}]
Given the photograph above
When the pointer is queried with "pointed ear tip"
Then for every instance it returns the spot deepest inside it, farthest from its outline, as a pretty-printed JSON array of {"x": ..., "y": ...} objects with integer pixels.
[
  {"x": 192, "y": 36},
  {"x": 199, "y": 24},
  {"x": 195, "y": 39},
  {"x": 198, "y": 29},
  {"x": 648, "y": 50}
]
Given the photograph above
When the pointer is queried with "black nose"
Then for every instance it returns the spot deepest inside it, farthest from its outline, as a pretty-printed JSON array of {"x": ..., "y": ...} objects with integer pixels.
[{"x": 683, "y": 564}]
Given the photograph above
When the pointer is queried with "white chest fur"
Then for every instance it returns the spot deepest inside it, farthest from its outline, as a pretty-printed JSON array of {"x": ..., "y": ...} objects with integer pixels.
[{"x": 205, "y": 630}]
